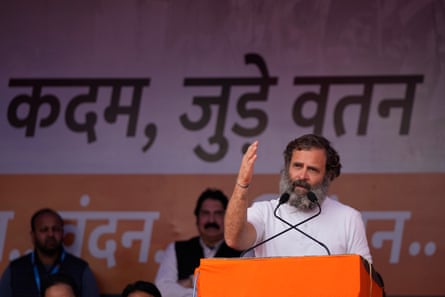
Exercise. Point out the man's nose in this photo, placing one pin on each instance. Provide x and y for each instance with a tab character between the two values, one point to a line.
52	231
303	174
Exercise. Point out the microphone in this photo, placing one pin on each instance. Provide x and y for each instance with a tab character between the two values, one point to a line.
283	199
313	198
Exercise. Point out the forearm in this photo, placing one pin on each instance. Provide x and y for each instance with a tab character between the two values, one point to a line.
238	233
167	276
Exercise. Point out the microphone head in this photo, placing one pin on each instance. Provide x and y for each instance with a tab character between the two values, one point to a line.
284	198
311	196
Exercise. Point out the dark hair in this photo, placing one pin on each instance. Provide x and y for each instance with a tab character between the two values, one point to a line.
143	286
41	212
308	141
59	278
211	194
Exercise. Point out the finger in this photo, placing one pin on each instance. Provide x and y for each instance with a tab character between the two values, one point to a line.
252	149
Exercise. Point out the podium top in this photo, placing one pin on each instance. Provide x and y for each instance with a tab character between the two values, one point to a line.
308	276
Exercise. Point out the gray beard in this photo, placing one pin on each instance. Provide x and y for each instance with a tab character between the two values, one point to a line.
299	200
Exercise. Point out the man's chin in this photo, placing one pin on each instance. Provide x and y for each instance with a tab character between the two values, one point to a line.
50	250
213	234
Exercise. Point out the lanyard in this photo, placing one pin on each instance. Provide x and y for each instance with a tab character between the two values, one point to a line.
54	270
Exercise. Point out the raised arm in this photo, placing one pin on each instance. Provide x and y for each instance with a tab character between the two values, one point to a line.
238	233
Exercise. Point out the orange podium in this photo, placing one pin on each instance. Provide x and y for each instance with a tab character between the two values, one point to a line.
309	276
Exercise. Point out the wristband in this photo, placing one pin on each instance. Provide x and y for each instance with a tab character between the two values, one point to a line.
242	186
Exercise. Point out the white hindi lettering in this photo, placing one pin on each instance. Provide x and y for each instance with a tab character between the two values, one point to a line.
77	221
108	253
5	216
395	235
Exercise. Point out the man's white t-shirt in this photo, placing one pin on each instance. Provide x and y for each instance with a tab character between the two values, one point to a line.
339	227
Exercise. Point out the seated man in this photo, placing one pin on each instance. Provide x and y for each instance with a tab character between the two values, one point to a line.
175	274
23	277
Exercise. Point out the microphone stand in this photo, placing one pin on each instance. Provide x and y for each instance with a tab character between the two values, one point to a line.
301	231
282	200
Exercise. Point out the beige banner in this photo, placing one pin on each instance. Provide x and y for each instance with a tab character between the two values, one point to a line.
121	223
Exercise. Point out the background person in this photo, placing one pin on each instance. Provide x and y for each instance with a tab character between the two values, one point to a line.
175	274
59	285
23	276
141	289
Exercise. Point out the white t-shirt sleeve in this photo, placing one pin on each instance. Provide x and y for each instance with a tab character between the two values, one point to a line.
357	241
258	214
